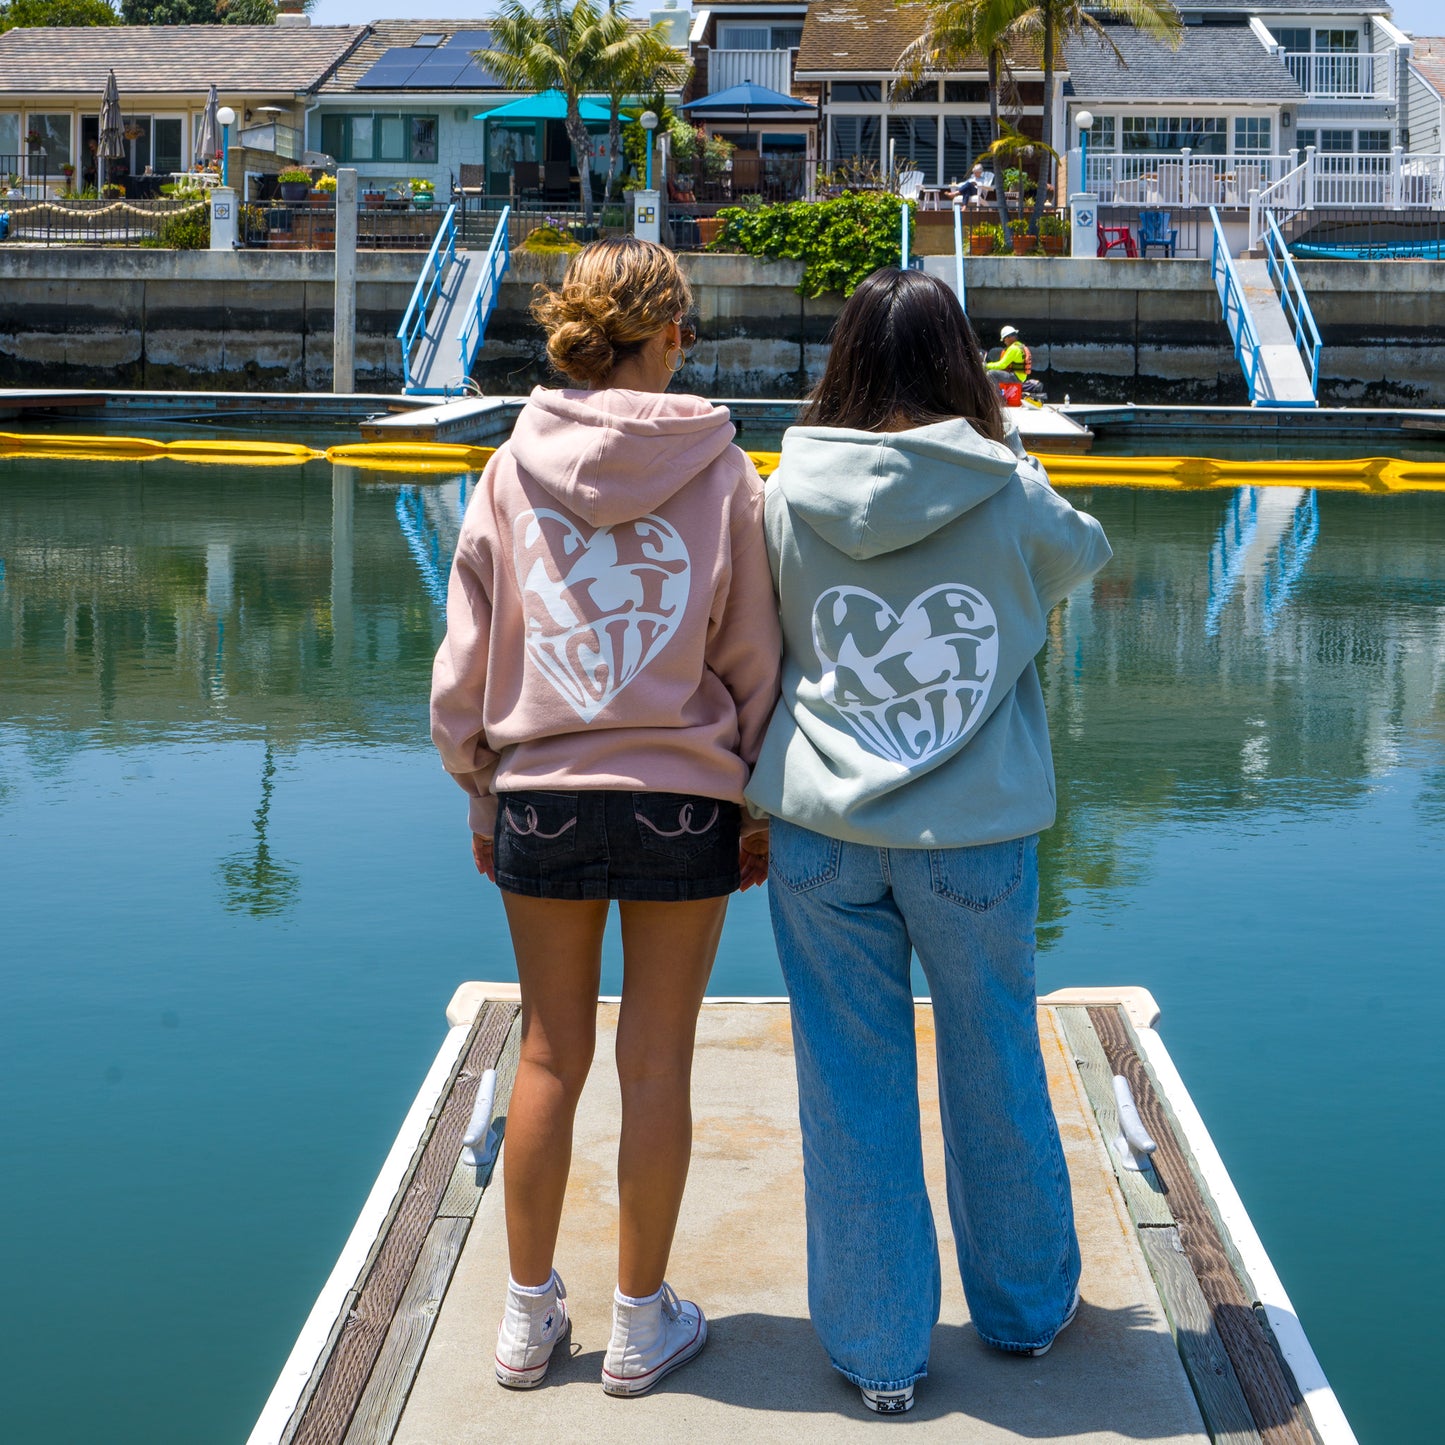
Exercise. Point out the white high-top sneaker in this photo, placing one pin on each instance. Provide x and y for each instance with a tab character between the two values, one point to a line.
534	1323
650	1338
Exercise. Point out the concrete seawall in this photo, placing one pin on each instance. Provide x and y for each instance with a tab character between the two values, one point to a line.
1145	331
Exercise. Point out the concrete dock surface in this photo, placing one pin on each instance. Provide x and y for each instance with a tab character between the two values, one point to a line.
1114	1375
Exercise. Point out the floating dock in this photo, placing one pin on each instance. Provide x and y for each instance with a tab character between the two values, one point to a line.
1185	1333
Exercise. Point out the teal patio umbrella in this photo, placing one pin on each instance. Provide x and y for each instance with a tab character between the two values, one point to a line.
546	105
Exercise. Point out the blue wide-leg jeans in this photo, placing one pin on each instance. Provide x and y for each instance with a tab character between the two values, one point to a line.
847	919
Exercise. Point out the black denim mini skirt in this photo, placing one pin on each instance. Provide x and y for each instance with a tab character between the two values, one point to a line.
607	843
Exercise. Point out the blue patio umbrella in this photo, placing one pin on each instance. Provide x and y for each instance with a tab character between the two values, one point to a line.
548	105
745	97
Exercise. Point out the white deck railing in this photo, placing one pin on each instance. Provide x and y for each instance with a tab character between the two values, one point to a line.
1342	75
1396	180
773	68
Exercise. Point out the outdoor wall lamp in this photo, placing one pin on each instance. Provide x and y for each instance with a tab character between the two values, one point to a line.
227	117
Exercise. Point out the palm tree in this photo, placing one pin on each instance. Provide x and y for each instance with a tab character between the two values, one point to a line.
1057	20
957	31
634	62
557	46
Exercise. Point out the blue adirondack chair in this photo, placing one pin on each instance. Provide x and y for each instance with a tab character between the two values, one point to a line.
1154	230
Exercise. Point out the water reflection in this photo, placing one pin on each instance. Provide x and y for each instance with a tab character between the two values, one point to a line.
253	881
1262	546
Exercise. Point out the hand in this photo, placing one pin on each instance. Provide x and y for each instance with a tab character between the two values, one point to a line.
753	860
482	856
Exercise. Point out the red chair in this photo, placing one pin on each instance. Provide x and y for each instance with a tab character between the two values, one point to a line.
1117	237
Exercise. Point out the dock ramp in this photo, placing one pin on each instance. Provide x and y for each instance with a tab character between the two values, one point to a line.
1185	1333
446	319
1275	337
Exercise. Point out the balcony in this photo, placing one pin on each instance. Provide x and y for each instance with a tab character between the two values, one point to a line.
1336	75
772	68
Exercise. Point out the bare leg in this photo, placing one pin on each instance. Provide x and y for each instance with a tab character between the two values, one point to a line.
668	951
559	963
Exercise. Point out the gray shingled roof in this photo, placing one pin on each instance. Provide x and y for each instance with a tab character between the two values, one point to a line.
1284	7
170	59
1214	62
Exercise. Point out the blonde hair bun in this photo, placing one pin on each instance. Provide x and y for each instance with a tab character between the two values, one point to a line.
616	296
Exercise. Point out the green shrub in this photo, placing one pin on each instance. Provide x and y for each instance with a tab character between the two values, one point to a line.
294	176
550	241
840	242
189	231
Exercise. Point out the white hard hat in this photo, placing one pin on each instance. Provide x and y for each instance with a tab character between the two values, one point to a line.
1007	332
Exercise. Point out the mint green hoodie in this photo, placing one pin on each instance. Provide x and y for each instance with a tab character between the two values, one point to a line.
915	572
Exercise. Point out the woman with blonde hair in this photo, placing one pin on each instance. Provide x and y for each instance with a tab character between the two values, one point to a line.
610	663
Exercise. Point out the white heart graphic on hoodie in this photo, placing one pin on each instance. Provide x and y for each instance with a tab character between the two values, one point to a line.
598	608
909	684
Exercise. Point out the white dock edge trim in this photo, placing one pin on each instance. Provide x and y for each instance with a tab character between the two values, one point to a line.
1324	1408
317	1330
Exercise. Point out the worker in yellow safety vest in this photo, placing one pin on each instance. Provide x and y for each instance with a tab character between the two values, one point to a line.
1016	356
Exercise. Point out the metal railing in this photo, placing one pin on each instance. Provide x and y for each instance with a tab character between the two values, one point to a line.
484	298
43	222
1236	310
1286	195
773	68
1293	299
311	226
1364	235
428	287
1344	75
27	172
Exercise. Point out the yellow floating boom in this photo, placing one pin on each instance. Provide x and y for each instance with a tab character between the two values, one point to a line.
1365	474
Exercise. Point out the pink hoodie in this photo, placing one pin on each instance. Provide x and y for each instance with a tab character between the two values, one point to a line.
610	620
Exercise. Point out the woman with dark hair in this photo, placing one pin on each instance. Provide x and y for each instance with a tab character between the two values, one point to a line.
916	553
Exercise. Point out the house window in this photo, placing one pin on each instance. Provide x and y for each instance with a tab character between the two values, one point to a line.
787	37
1336	42
964	136
1304	139
9	137
1337	142
1103	135
51	138
1252	135
1204	135
924	93
402	138
743	37
868	91
1372	142
965	92
915	144
854	137
1292	38
169	151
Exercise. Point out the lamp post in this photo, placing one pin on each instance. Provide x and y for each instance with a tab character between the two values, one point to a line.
227	118
1085	122
648	121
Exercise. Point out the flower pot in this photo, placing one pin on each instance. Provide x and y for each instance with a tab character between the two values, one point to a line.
980	245
709	228
372	200
422	201
293	191
1024	245
1053	245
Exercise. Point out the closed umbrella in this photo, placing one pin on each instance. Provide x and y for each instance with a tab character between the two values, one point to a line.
208	134
110	146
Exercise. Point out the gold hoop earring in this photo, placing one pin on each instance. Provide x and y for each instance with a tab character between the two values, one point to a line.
675	366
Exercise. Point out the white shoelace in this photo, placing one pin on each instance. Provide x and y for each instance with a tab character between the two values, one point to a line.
671	1305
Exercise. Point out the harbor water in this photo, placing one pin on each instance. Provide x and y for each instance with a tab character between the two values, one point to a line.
236	894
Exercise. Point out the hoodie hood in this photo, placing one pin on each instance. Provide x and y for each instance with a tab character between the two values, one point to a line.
612	456
866	493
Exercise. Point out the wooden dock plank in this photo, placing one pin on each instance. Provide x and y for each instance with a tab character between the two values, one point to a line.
330	1406
379	1410
1206	1361
1274	1399
468	1183
1141	1188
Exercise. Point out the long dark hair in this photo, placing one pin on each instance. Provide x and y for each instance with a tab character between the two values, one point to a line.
903	355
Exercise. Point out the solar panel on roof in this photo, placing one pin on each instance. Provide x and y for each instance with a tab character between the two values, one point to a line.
470	40
392	70
476	77
439	70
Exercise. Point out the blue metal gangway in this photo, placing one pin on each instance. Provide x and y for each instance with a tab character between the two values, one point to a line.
446	319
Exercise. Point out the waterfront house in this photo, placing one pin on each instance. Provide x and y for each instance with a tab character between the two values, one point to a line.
51	81
732	41
1425	106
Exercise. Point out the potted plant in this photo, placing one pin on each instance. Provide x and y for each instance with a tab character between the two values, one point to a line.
325	187
710	229
111	191
33	138
1054	233
422	194
373	198
985	239
295	184
1023	242
68	171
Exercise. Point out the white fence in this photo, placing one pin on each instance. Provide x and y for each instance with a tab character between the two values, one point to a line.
1395	179
773	68
1343	75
